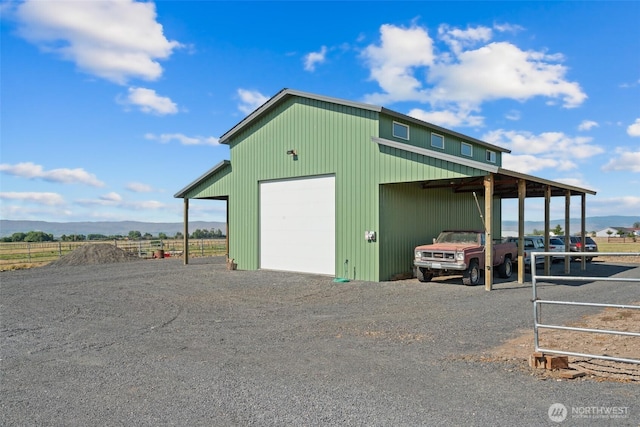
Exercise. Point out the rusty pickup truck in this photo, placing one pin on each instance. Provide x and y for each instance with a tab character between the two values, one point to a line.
457	252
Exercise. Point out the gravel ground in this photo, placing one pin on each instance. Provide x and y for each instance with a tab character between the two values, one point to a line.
159	343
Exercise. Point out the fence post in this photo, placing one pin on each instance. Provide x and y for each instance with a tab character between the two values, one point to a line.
139	249
115	242
59	250
201	247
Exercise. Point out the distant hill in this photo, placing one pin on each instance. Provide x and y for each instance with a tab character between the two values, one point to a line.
108	228
595	223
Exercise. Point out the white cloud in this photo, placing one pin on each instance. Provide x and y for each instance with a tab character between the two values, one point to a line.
614	205
501	70
447	118
630	85
576	182
587	125
147	204
66	176
457	39
634	129
115	40
138	187
49	199
250	100
313	58
114	200
545	150
528	163
148	101
392	63
513	115
625	161
111	197
100	201
471	70
508	28
166	138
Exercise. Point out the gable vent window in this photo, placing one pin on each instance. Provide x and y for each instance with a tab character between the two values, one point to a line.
437	140
400	130
491	156
466	149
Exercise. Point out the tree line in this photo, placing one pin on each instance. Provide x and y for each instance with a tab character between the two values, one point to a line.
39	236
557	231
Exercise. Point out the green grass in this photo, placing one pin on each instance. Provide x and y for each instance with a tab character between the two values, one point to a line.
629	246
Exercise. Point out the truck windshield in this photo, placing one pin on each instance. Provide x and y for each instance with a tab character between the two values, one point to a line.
457	237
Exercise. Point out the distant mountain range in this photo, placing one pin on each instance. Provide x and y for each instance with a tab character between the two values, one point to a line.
111	228
595	223
108	228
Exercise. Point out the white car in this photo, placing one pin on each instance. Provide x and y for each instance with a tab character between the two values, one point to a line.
531	244
556	245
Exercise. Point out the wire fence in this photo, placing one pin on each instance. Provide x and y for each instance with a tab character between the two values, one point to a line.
15	255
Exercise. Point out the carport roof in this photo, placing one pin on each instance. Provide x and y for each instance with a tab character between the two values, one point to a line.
505	180
505	185
223	164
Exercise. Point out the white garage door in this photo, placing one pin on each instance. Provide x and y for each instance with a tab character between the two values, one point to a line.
297	225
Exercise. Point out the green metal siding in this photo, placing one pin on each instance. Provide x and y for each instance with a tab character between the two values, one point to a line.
420	136
217	185
329	139
411	216
403	166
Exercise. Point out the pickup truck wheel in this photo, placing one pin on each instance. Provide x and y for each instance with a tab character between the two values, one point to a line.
505	269
471	277
424	275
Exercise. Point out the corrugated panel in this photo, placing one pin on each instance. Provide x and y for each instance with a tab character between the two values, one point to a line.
217	185
328	140
411	216
421	137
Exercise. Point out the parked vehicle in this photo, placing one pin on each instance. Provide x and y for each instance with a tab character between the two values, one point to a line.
531	244
462	252
575	245
556	245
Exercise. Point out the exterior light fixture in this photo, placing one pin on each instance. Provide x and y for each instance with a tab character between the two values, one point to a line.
292	152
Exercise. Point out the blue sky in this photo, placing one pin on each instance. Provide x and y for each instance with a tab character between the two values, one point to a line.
108	108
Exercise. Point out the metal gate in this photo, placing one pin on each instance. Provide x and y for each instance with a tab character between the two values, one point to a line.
537	304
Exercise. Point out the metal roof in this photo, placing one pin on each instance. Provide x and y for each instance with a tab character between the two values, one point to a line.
505	182
287	93
223	164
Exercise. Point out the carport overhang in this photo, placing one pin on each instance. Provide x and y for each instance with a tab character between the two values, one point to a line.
188	191
507	184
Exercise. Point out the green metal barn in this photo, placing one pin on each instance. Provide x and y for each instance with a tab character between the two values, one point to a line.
329	186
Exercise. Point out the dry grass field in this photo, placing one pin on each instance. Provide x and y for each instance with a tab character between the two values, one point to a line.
21	255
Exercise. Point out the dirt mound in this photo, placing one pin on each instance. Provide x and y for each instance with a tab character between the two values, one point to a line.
99	253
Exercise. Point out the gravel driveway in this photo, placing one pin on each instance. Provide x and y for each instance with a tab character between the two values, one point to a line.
159	343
